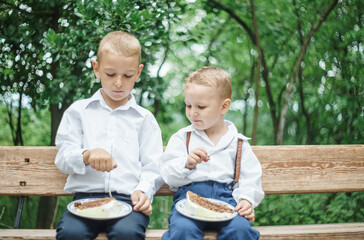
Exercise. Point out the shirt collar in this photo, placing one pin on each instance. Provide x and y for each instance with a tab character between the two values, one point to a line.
97	97
231	133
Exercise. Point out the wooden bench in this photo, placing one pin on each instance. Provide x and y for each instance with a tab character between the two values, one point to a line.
30	171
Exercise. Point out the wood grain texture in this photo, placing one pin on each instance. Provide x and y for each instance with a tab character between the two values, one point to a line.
335	231
286	169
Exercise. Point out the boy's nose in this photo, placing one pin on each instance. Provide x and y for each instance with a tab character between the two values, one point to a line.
119	82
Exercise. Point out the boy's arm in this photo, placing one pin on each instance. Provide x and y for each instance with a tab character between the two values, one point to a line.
245	209
150	151
173	162
69	158
250	185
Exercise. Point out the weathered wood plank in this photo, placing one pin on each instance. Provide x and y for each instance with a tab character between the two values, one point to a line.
286	169
30	171
312	168
335	231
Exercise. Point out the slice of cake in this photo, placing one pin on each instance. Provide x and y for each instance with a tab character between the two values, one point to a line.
202	207
103	207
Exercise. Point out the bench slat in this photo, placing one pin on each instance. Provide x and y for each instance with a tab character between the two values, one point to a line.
334	231
286	169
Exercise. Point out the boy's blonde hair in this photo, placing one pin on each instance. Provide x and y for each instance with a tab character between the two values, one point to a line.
212	76
120	42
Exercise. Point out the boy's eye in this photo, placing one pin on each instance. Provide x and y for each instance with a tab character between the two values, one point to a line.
188	106
128	76
201	107
110	74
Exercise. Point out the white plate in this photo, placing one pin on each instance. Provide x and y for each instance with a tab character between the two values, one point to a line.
124	211
181	208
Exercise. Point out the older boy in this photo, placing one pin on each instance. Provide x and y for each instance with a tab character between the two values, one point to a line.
108	142
204	162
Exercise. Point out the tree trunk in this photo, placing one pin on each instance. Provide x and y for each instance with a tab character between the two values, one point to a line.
265	70
46	209
47	205
287	98
9	109
18	135
257	40
300	86
245	112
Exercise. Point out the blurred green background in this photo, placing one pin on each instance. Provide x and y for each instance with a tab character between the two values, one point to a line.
298	81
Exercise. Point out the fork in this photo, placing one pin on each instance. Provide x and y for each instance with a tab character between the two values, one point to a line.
108	183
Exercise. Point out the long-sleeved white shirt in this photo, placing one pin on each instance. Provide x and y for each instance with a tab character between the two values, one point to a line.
219	168
129	133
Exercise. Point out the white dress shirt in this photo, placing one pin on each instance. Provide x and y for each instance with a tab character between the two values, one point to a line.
129	133
219	168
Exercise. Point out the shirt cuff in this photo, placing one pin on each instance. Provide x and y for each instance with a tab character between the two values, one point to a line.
185	171
76	161
240	197
146	188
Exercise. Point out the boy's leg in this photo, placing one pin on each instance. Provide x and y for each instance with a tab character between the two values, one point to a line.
130	227
239	228
181	227
74	228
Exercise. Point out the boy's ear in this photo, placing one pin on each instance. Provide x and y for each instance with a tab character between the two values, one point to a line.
226	105
95	66
140	69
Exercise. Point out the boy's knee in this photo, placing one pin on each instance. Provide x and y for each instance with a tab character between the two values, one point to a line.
71	234
183	228
126	233
239	229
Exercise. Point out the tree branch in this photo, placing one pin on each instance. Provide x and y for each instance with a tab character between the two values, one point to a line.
237	18
212	41
252	36
297	69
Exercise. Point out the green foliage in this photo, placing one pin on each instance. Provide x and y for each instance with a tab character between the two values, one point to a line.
35	123
310	209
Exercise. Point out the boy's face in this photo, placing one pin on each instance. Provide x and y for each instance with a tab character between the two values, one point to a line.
204	107
118	75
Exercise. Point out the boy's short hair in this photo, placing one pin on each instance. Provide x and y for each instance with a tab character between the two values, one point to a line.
212	76
120	42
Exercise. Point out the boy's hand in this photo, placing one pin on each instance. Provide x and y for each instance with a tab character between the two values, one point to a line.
141	202
99	159
195	157
245	209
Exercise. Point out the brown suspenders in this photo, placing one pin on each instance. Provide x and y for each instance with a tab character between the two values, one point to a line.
237	160
188	141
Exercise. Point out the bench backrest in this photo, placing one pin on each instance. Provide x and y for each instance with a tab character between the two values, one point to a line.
286	169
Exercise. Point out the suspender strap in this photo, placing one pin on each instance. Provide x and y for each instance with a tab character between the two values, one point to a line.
238	160
188	141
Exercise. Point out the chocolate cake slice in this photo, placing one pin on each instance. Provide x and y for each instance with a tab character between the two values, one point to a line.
103	207
202	207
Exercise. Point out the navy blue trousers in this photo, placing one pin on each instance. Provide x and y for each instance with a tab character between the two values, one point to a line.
181	227
73	227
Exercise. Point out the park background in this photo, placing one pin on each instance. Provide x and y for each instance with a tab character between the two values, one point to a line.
296	68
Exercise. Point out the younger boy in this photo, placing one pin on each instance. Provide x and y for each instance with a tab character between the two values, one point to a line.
204	162
108	142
